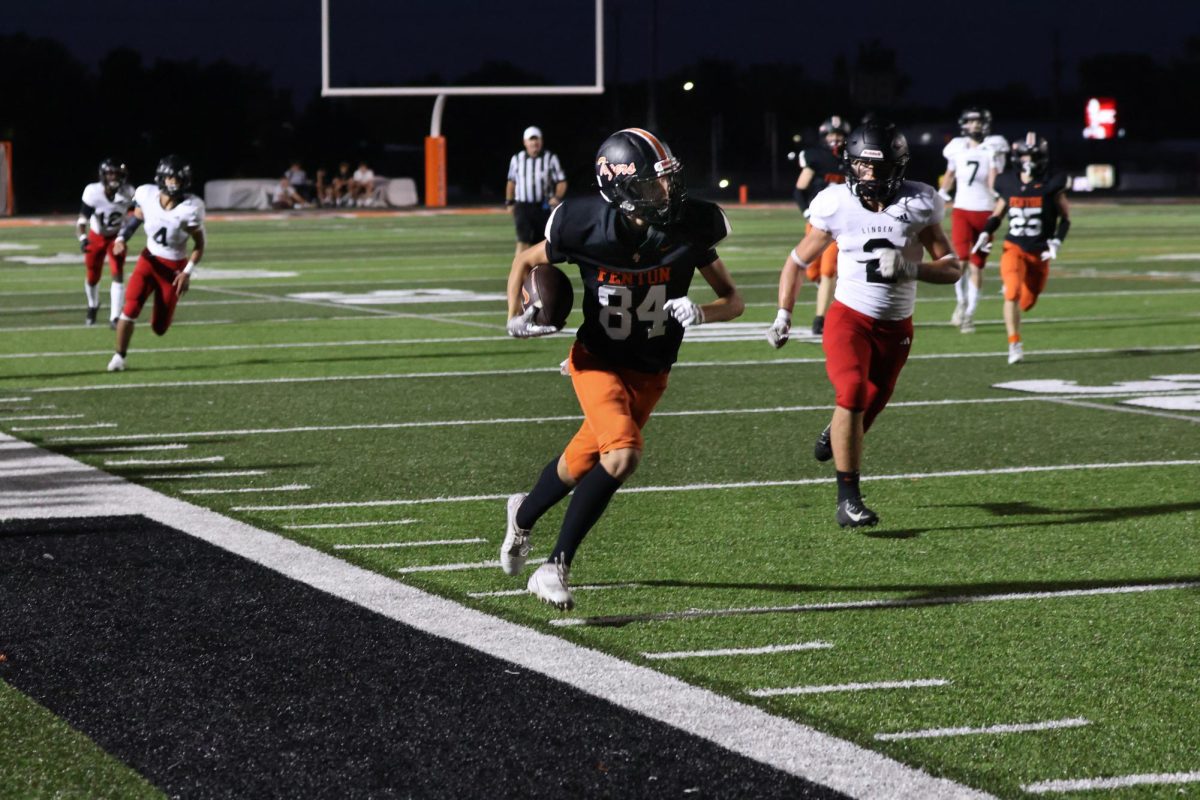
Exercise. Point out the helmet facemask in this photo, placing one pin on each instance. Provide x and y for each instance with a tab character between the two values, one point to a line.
173	176
658	200
884	181
112	175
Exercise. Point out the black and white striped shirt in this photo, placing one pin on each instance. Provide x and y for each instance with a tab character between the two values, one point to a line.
535	177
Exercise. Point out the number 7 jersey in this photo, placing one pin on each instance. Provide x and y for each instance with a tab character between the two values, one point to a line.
627	279
167	230
1032	208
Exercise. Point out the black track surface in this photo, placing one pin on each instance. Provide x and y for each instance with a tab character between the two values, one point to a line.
215	677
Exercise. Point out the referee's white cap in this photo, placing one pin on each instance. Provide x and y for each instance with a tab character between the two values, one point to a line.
533	132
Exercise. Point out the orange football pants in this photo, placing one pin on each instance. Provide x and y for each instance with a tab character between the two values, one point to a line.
826	265
616	403
1024	275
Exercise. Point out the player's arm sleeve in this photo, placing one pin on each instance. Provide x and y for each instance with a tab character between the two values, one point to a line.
938	208
821	210
556	170
86	211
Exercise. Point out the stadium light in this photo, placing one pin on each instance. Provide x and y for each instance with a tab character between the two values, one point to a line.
723	183
688	86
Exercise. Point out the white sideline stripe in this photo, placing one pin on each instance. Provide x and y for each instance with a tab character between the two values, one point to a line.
460	567
1125	409
89	426
583	588
701	412
704	487
187	476
1021	727
290	487
352	524
22	329
141	448
862	605
162	462
15	399
1086	784
31	417
744	729
276	346
429	543
483	373
848	687
741	651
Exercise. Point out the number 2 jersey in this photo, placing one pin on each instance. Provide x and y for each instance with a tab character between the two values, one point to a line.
167	230
1032	208
861	233
104	216
627	278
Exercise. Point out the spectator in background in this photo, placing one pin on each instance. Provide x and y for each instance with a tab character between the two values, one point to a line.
298	178
286	196
536	184
363	185
322	190
342	186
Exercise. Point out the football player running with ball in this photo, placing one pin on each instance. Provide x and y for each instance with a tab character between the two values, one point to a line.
1038	221
102	209
638	244
164	268
881	224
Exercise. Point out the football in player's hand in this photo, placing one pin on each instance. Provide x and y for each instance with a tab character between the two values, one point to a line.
548	289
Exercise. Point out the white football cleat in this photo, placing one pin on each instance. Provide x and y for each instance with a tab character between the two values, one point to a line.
957	317
967	325
1016	353
516	545
549	583
117	363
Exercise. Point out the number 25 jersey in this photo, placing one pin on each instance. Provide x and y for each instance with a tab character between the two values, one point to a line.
167	230
627	279
1032	208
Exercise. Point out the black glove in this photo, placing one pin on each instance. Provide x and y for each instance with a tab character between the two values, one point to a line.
83	243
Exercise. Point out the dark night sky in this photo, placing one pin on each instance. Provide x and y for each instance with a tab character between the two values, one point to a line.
945	47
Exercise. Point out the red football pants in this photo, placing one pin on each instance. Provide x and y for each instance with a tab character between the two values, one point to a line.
863	358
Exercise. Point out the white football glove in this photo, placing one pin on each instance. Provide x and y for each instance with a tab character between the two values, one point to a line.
892	266
780	329
942	193
522	326
1051	251
684	311
983	244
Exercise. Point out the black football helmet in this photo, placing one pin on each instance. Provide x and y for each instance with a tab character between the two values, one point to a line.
1031	154
835	130
176	167
879	144
640	177
113	174
975	114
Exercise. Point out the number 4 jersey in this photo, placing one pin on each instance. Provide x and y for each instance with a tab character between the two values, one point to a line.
167	230
628	276
861	233
105	216
1032	208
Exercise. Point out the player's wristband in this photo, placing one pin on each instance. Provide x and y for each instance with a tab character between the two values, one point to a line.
191	265
796	259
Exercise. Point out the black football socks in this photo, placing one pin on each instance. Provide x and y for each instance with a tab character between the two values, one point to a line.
587	504
847	486
548	490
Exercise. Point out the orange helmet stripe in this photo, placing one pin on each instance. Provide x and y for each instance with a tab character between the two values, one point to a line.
658	146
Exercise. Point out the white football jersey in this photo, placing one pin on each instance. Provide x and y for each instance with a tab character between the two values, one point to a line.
167	231
860	233
971	166
999	146
107	215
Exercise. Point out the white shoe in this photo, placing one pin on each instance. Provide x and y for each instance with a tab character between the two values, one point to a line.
117	364
967	325
516	545
1015	353
957	317
549	583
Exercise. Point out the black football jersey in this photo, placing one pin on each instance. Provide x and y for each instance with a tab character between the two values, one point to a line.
826	166
628	275
1032	208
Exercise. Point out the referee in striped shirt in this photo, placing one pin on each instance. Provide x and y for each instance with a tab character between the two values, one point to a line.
536	184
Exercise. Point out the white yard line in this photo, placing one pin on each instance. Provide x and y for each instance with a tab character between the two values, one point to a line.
1020	727
1194	419
485	373
586	587
15	399
290	487
25	428
1091	784
698	487
162	462
867	605
188	476
32	417
848	687
429	543
740	651
141	448
459	567
25	328
352	524
743	729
